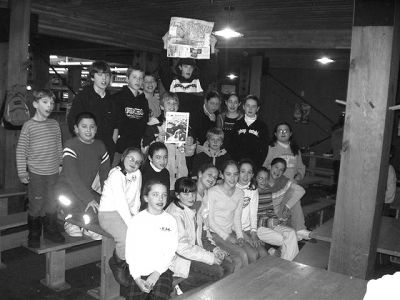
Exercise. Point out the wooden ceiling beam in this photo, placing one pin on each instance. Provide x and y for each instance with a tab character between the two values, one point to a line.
305	39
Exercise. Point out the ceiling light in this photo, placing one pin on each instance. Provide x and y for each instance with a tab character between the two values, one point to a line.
325	60
231	76
75	63
228	33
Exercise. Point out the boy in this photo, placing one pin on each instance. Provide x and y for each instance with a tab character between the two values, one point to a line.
155	166
38	157
84	158
176	164
206	118
153	98
96	100
211	151
250	134
132	111
187	80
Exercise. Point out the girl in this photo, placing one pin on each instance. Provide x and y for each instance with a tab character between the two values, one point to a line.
250	208
286	196
225	202
176	164
284	146
151	243
277	235
228	118
119	202
193	262
206	178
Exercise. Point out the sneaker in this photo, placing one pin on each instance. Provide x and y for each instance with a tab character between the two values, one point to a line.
92	235
303	234
72	230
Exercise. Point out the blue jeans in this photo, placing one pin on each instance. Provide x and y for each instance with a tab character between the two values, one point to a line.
41	194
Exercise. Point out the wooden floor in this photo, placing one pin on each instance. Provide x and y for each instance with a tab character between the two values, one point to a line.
274	278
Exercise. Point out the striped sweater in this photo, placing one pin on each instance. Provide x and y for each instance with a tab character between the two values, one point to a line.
39	148
81	163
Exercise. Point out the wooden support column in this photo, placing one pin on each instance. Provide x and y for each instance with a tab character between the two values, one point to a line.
3	88
74	80
255	75
40	70
373	73
17	74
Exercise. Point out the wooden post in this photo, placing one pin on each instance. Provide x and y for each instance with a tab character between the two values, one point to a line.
3	88
55	271
374	61
17	74
255	75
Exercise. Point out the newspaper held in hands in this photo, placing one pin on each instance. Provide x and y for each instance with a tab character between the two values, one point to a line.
189	38
177	124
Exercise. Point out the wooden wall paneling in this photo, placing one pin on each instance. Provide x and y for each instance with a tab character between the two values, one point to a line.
17	74
374	63
255	75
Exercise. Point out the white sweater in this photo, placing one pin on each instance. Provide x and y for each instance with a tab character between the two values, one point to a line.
121	193
249	212
151	243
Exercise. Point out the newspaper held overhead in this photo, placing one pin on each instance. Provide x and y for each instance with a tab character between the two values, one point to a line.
189	38
177	124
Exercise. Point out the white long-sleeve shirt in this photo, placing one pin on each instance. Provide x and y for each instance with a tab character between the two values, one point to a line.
151	243
225	212
249	211
121	193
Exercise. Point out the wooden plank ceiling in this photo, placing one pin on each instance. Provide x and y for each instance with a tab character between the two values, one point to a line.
140	25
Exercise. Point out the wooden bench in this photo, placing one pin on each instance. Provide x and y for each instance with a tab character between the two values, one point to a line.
8	222
109	289
320	206
314	254
275	278
56	259
4	195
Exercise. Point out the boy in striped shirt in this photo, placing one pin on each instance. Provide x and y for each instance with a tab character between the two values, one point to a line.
38	157
84	157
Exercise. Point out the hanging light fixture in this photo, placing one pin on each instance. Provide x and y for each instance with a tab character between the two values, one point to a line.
228	32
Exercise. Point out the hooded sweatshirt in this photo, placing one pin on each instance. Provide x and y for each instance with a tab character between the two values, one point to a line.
206	156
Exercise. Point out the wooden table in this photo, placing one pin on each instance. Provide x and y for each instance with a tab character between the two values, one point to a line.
275	278
388	242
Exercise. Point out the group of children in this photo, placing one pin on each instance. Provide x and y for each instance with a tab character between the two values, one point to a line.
193	210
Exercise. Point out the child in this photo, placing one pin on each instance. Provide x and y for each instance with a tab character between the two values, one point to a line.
84	157
119	202
286	196
155	166
227	119
283	146
249	212
133	113
96	100
278	235
206	118
176	152
225	202
153	98
187	81
211	151
192	260
151	243
38	156
250	134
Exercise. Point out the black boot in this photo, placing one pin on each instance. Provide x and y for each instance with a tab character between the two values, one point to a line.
35	231
120	270
50	230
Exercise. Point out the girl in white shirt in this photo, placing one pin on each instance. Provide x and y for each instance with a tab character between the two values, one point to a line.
119	202
151	243
246	183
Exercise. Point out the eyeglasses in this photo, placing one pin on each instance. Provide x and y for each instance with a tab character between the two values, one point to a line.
283	130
